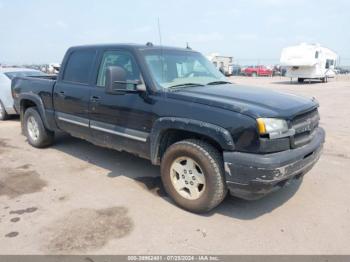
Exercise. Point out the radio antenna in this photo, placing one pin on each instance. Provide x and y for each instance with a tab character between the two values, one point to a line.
161	48
159	33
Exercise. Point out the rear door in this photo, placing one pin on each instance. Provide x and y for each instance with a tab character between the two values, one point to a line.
72	92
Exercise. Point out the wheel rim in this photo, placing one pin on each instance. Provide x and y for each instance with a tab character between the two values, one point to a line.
33	128
187	178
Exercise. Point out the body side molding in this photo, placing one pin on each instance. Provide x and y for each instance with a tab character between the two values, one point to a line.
104	127
119	131
80	121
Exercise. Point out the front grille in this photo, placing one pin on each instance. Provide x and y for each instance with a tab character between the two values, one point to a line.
305	128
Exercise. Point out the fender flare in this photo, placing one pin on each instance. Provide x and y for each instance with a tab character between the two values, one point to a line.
36	99
161	125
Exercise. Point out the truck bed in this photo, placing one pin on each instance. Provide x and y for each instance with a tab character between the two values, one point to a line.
41	87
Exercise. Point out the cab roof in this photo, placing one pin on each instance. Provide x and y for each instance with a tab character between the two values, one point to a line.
147	46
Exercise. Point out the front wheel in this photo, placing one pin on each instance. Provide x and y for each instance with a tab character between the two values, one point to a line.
36	133
192	174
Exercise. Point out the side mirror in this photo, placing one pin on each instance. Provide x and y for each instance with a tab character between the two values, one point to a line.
115	78
116	81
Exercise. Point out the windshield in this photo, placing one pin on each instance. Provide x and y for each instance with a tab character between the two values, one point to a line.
14	74
173	68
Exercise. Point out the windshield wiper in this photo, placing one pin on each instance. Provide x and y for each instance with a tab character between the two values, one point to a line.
185	85
220	82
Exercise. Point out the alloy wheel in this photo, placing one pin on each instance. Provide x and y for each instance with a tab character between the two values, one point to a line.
33	128
187	178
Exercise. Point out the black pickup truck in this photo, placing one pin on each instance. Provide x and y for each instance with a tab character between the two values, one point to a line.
172	106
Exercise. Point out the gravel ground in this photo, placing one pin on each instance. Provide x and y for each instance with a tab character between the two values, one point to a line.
76	198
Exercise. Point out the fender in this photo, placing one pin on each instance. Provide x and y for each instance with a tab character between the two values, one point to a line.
217	133
46	115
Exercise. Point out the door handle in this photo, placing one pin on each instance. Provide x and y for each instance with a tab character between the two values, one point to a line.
95	98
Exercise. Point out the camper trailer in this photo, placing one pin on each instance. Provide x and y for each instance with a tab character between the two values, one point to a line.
223	63
309	61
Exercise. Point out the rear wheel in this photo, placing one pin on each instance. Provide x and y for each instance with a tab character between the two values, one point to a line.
36	133
192	174
3	113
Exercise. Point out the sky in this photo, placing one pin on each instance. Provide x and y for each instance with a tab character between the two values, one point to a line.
252	31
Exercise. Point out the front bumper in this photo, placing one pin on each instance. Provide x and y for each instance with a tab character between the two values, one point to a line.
251	176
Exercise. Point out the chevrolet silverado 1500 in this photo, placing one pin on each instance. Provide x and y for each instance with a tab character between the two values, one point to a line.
173	107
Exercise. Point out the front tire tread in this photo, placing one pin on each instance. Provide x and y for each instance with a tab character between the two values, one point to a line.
212	155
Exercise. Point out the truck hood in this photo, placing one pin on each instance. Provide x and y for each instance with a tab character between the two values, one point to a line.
253	101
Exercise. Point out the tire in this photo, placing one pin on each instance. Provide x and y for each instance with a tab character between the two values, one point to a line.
35	131
254	74
208	172
300	80
3	113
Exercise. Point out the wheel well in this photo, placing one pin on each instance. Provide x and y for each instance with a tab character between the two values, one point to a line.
25	104
172	136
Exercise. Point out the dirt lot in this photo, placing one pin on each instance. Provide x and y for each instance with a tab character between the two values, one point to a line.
78	198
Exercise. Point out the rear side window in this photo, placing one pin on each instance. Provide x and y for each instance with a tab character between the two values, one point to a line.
79	65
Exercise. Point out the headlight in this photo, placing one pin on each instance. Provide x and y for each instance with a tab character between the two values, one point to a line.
272	126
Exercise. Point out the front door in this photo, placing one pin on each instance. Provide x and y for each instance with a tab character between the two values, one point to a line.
121	121
72	93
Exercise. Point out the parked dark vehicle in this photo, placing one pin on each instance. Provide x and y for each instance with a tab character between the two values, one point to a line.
279	70
342	71
236	70
173	107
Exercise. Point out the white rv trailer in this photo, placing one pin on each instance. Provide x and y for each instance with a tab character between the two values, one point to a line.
309	61
223	63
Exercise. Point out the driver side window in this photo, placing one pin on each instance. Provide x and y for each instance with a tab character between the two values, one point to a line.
117	58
